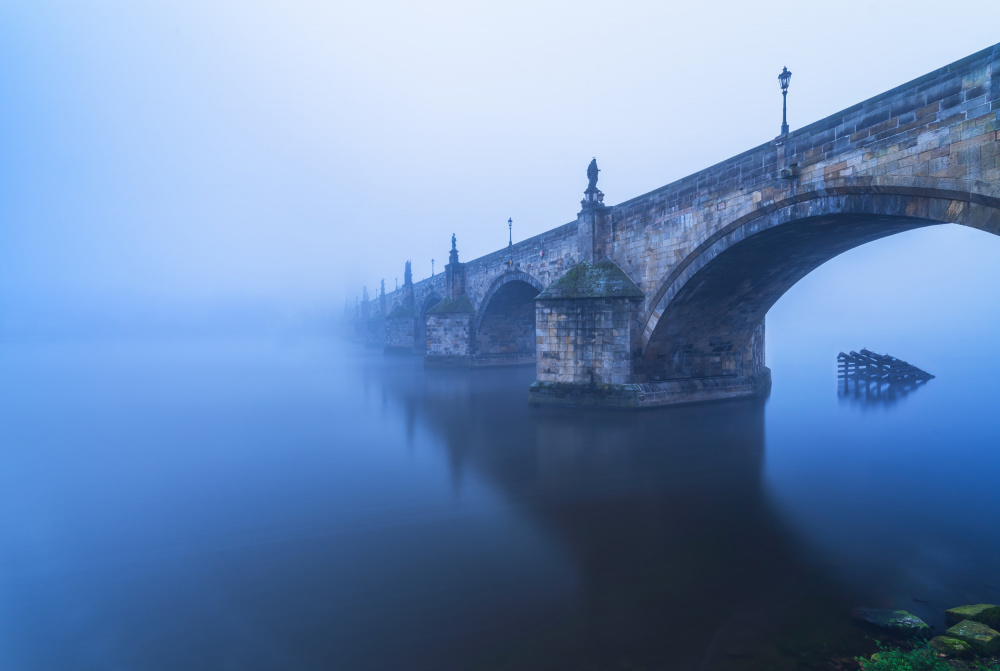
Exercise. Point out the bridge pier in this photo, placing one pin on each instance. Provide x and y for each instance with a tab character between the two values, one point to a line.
449	333
450	322
401	323
586	328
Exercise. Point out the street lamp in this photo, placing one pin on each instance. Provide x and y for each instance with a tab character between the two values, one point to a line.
432	267
510	241
783	79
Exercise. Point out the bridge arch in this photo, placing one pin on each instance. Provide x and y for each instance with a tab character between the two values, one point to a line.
504	325
706	318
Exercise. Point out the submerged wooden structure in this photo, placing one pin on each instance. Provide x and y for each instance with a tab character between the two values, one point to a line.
874	374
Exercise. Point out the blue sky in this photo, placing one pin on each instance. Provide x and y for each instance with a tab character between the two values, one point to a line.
208	156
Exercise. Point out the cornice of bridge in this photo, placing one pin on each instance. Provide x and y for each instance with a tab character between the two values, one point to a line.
831	129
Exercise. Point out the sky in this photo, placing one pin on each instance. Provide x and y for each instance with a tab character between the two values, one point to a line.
233	159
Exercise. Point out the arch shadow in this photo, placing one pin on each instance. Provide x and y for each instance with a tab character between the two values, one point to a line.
706	319
503	330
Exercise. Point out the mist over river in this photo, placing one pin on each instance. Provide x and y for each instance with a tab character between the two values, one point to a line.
303	503
202	468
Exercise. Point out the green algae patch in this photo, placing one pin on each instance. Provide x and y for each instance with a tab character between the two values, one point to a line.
950	647
983	639
898	621
986	613
462	304
593	280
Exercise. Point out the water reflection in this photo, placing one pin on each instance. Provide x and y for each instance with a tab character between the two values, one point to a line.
681	561
249	505
877	392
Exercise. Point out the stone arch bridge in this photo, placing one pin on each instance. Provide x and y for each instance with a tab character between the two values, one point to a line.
661	299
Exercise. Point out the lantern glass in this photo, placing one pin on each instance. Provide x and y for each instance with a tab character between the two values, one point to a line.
784	78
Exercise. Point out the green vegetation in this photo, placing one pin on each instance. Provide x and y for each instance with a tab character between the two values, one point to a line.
920	658
594	280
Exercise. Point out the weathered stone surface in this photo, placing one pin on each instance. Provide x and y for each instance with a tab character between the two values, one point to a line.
449	336
709	254
604	395
400	329
982	638
593	280
986	613
952	647
462	304
897	621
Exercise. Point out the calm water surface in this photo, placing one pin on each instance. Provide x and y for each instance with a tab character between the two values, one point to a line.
227	504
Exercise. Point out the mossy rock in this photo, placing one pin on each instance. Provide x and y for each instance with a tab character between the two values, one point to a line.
898	621
986	613
952	647
983	639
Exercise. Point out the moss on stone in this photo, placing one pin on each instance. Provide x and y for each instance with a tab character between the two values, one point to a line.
899	621
459	305
986	613
952	647
593	280
983	639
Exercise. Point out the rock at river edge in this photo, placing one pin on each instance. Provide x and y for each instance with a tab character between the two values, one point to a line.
983	640
898	621
952	647
986	613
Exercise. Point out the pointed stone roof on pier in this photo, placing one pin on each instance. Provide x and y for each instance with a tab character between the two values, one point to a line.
593	280
461	304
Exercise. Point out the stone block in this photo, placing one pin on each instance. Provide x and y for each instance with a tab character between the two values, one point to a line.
983	639
985	613
950	647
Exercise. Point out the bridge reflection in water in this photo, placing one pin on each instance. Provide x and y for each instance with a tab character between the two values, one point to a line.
678	560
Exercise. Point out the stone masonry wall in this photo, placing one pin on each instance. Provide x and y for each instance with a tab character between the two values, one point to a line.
399	332
545	257
448	334
584	341
924	134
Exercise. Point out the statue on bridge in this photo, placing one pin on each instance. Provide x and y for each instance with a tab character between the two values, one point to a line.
453	241
592	197
592	171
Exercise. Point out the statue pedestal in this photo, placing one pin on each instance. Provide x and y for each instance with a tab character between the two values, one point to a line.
592	199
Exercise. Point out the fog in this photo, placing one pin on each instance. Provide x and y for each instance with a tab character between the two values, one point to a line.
171	165
194	473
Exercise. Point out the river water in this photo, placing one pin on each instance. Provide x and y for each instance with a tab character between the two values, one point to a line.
303	503
252	504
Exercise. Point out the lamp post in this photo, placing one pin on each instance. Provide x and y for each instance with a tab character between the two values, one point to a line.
783	79
510	241
432	267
